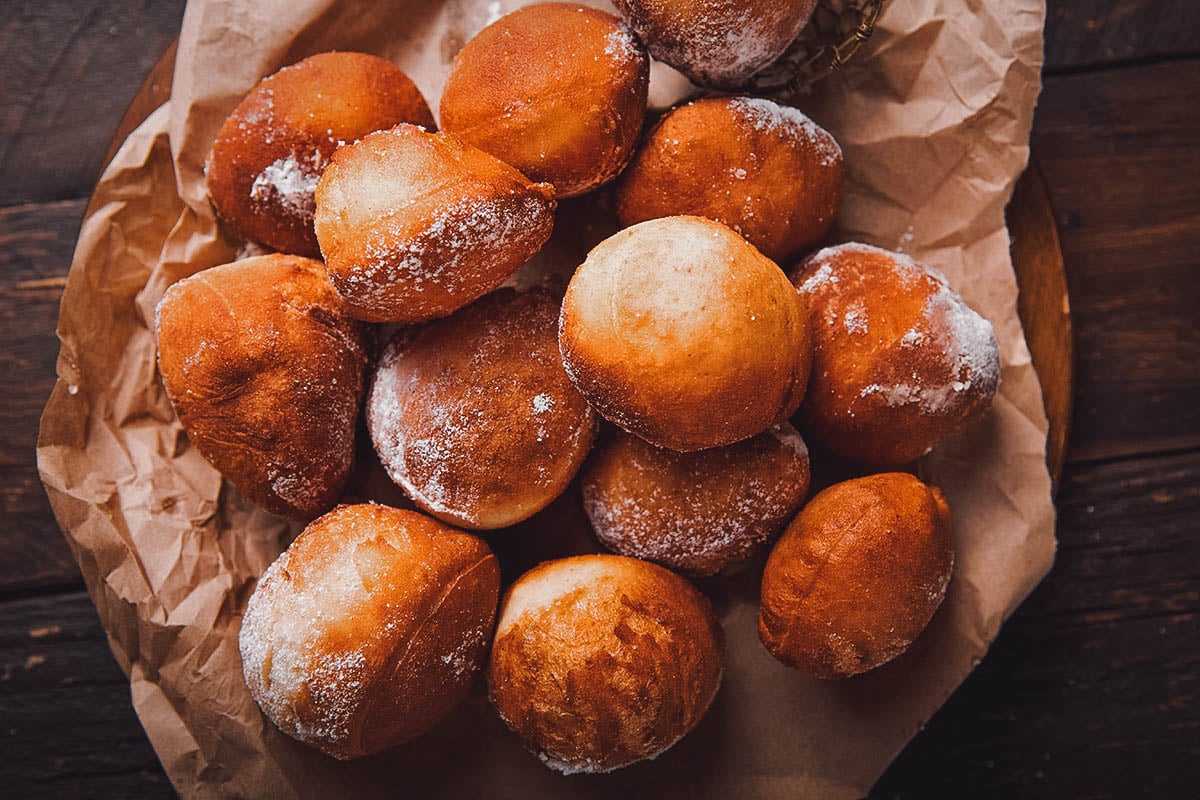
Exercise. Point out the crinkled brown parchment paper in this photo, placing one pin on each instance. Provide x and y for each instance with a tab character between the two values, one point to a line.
934	114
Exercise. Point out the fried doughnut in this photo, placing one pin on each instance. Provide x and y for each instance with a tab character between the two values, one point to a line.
474	417
694	512
601	661
857	575
557	90
764	169
416	225
369	628
265	372
900	360
718	43
269	154
680	332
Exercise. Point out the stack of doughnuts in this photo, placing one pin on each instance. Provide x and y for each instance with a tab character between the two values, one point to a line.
674	379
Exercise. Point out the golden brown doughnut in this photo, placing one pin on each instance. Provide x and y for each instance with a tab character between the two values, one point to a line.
474	417
857	575
717	42
557	90
679	331
269	154
602	661
369	628
900	360
265	371
415	225
694	512
764	169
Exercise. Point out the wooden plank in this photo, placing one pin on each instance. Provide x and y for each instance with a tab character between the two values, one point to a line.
69	729
1092	33
36	243
67	72
1093	688
1118	152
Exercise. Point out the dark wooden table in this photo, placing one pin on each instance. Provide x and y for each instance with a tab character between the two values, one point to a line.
1092	689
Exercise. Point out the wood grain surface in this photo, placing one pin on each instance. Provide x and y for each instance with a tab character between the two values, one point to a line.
1091	689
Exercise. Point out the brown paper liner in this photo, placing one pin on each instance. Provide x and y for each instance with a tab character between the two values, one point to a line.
934	116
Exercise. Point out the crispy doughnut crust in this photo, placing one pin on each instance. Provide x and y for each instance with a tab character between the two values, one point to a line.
680	332
764	169
474	416
415	225
601	661
369	628
857	575
900	360
557	90
267	157
265	372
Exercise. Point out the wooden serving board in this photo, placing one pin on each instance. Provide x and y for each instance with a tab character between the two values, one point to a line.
1044	304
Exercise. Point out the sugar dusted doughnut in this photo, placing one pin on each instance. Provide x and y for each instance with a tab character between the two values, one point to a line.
764	169
680	332
857	576
369	628
415	225
717	43
474	416
602	661
267	157
900	360
557	90
694	512
265	372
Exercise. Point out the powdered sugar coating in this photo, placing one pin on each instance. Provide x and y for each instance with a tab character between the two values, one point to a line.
622	46
696	512
461	240
415	225
475	418
367	602
785	120
282	656
898	353
289	182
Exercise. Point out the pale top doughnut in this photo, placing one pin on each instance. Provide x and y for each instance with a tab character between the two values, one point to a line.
679	331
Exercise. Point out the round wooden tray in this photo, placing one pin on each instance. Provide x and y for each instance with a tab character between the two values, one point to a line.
1043	304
